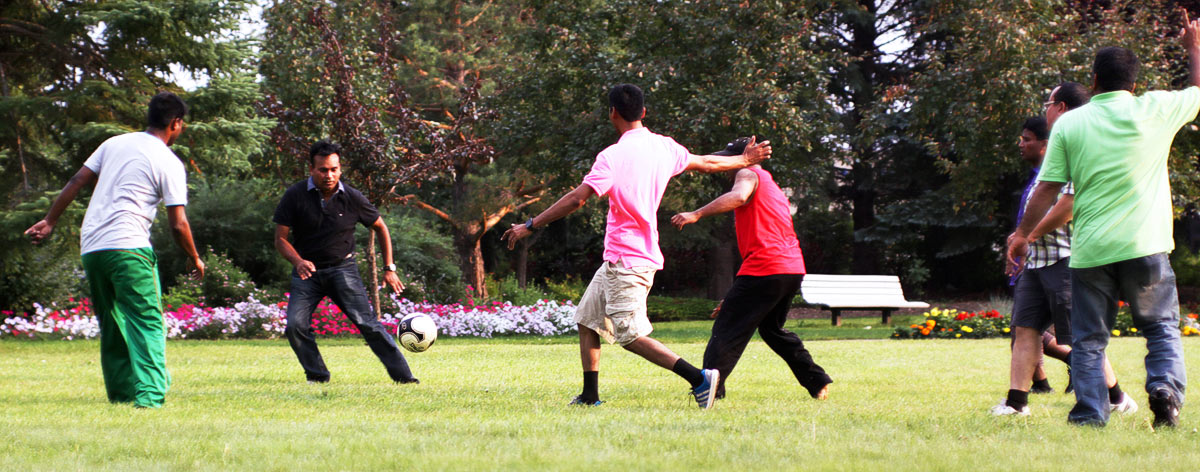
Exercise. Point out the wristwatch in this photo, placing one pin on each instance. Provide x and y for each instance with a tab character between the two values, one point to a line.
390	267
529	224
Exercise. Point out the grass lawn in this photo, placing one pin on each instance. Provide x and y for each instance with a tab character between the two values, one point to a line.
500	404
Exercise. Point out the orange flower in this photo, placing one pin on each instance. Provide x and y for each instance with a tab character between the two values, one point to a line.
930	323
915	326
925	331
1120	304
1193	316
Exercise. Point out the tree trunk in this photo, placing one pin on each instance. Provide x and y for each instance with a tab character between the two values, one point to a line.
523	257
16	129
373	269
470	257
866	257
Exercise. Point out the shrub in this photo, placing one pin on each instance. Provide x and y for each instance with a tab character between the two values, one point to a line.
224	285
424	257
234	218
48	273
678	308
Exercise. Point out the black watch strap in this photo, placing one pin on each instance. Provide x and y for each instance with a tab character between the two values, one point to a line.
529	224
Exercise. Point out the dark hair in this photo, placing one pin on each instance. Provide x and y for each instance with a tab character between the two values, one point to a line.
322	148
1072	94
1115	69
163	109
628	100
1037	125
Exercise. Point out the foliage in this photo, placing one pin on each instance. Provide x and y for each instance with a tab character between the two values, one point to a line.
951	323
424	258
234	217
76	73
711	71
383	89
47	273
660	308
223	285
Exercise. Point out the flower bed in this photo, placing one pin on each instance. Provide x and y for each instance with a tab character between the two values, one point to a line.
255	319
953	324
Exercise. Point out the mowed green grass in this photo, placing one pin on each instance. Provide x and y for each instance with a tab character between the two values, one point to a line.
501	405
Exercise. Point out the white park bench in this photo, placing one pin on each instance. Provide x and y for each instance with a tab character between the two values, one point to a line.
839	293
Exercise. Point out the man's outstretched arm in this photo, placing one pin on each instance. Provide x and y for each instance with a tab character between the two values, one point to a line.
744	186
42	229
1190	37
754	154
566	205
182	231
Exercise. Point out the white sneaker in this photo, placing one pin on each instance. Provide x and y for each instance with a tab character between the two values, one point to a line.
1127	405
1004	410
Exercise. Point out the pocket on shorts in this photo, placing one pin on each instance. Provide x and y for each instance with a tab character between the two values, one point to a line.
626	289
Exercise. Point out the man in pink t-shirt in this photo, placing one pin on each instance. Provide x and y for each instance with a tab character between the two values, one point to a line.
771	272
633	173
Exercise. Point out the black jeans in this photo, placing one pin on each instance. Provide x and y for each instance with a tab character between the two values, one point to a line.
761	303
343	285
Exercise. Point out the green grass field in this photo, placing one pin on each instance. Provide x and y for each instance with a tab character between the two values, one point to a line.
500	404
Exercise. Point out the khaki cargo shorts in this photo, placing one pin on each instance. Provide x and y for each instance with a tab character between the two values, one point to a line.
614	304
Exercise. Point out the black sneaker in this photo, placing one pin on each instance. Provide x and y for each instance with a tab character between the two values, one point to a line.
1165	406
1070	385
1037	389
578	400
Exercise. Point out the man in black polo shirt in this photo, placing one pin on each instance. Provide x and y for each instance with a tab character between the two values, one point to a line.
323	211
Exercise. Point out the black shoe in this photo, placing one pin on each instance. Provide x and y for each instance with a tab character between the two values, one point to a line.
409	381
1041	390
1165	406
578	400
1070	384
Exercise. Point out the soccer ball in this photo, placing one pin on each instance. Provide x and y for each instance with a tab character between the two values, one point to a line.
416	332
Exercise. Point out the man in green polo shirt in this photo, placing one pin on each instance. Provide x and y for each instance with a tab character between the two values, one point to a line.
1114	151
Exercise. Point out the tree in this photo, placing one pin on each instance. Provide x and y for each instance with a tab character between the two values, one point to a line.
710	73
368	94
73	74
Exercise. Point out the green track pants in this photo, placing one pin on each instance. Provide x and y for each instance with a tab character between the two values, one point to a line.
127	301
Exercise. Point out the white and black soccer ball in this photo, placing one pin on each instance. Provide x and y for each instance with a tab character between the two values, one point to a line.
416	332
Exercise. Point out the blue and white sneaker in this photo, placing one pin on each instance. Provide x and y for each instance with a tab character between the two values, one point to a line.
578	400
706	392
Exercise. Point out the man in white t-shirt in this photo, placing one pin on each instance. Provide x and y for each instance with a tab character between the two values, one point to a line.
633	174
132	173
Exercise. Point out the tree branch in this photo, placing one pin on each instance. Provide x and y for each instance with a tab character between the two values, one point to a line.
413	200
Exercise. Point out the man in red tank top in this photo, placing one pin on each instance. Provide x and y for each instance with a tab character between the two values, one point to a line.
770	275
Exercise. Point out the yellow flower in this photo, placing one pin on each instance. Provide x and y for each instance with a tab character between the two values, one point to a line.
958	335
1116	332
1132	330
1007	330
967	329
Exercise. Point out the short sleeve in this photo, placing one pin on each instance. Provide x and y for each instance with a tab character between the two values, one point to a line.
1180	107
174	184
680	154
96	160
367	213
1054	165
600	178
285	210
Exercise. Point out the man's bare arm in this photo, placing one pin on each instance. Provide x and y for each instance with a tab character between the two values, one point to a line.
744	185
304	268
41	230
566	205
1058	216
754	154
181	229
